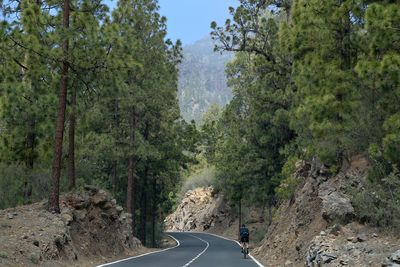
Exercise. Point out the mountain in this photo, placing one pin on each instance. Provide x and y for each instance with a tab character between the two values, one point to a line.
202	80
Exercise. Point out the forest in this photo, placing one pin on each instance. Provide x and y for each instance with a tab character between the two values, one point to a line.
316	81
89	96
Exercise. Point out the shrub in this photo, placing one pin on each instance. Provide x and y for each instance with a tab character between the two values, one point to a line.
288	185
378	204
203	178
259	234
3	254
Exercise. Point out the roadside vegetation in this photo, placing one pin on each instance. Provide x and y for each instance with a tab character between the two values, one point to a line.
310	79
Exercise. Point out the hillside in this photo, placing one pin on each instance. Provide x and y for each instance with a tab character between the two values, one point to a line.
91	229
202	80
316	227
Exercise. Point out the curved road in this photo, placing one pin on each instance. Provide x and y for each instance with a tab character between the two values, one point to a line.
193	250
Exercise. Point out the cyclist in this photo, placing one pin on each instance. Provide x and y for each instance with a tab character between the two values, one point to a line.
244	237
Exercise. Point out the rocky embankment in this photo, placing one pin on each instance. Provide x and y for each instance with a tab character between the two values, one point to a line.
315	227
91	228
199	210
205	210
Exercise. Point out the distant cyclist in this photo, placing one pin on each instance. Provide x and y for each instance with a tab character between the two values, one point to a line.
244	238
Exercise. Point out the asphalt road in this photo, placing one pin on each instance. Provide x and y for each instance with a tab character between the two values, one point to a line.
194	250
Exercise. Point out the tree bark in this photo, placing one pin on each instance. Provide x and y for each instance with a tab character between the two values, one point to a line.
131	166
143	208
71	142
154	214
114	177
129	190
240	217
59	134
30	146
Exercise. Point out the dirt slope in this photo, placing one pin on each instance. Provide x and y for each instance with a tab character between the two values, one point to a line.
90	229
316	227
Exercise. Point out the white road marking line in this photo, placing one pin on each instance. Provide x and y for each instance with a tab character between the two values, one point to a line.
201	253
110	263
251	256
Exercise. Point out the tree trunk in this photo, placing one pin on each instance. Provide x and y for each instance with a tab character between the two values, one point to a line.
59	134
131	165
71	143
129	189
154	214
114	177
143	208
240	217
30	145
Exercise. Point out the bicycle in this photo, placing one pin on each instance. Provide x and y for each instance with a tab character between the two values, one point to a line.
245	249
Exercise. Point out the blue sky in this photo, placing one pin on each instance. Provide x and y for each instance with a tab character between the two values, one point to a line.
189	20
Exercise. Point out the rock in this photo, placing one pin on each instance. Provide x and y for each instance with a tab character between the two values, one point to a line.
119	209
10	216
80	215
327	258
108	205
335	205
100	198
5	225
395	257
91	189
67	218
288	263
375	235
335	230
35	242
361	238
81	202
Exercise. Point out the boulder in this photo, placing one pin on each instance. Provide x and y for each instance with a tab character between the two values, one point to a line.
395	257
67	218
100	198
80	215
92	190
336	206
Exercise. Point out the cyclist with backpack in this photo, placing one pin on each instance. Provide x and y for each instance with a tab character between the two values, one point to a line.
244	238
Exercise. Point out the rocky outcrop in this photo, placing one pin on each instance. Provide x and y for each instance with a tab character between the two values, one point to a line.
316	227
199	210
393	260
90	225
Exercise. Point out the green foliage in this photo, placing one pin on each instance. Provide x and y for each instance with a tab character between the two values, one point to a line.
125	75
202	178
378	203
289	183
34	258
3	254
314	78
